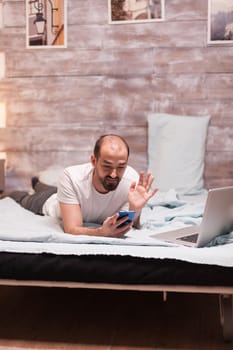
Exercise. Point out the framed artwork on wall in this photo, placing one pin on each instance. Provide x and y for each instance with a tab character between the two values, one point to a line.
220	22
46	23
135	11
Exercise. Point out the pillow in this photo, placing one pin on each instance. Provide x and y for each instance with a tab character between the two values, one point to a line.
176	150
51	175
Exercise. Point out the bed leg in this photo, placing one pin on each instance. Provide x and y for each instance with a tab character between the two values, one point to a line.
164	296
226	316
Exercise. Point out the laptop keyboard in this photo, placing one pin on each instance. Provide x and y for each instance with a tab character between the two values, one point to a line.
190	238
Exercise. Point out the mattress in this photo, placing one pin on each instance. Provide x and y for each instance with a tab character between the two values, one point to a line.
124	270
35	248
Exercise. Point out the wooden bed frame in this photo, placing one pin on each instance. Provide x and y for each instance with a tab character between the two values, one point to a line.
225	294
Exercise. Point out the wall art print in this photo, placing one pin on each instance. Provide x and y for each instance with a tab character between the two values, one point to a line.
220	22
135	11
46	24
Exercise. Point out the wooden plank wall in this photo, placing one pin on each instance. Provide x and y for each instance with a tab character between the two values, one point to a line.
107	80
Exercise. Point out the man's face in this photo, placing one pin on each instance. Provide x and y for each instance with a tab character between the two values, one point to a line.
109	167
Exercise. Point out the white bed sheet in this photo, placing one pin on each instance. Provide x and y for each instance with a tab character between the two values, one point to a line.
22	231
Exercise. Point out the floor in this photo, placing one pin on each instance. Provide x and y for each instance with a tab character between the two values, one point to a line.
59	318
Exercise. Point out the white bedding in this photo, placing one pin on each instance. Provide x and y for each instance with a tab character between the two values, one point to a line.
23	231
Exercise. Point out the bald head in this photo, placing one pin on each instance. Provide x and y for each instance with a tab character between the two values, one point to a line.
114	144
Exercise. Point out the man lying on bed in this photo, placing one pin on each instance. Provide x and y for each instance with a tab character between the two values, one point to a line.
94	192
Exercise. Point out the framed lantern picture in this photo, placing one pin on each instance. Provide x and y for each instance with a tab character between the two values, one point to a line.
46	24
135	11
220	22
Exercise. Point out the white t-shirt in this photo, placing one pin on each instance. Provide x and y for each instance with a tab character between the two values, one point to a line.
75	187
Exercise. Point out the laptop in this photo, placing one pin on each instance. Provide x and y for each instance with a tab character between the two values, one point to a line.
217	220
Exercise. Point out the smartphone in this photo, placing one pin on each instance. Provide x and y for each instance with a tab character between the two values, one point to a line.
123	213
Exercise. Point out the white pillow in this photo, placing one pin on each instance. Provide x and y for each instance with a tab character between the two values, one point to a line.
176	150
51	175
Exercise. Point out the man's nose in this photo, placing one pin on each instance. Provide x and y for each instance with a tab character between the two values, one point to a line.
113	173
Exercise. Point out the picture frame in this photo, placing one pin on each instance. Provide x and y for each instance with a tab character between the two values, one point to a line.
220	22
135	11
46	23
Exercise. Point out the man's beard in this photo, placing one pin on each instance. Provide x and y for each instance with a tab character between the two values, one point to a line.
109	183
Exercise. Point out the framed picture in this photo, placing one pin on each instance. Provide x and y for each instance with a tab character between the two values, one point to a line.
135	11
46	24
220	21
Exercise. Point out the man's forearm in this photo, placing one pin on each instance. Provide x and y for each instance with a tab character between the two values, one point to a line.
82	230
136	222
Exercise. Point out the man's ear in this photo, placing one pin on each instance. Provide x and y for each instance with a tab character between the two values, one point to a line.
93	160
